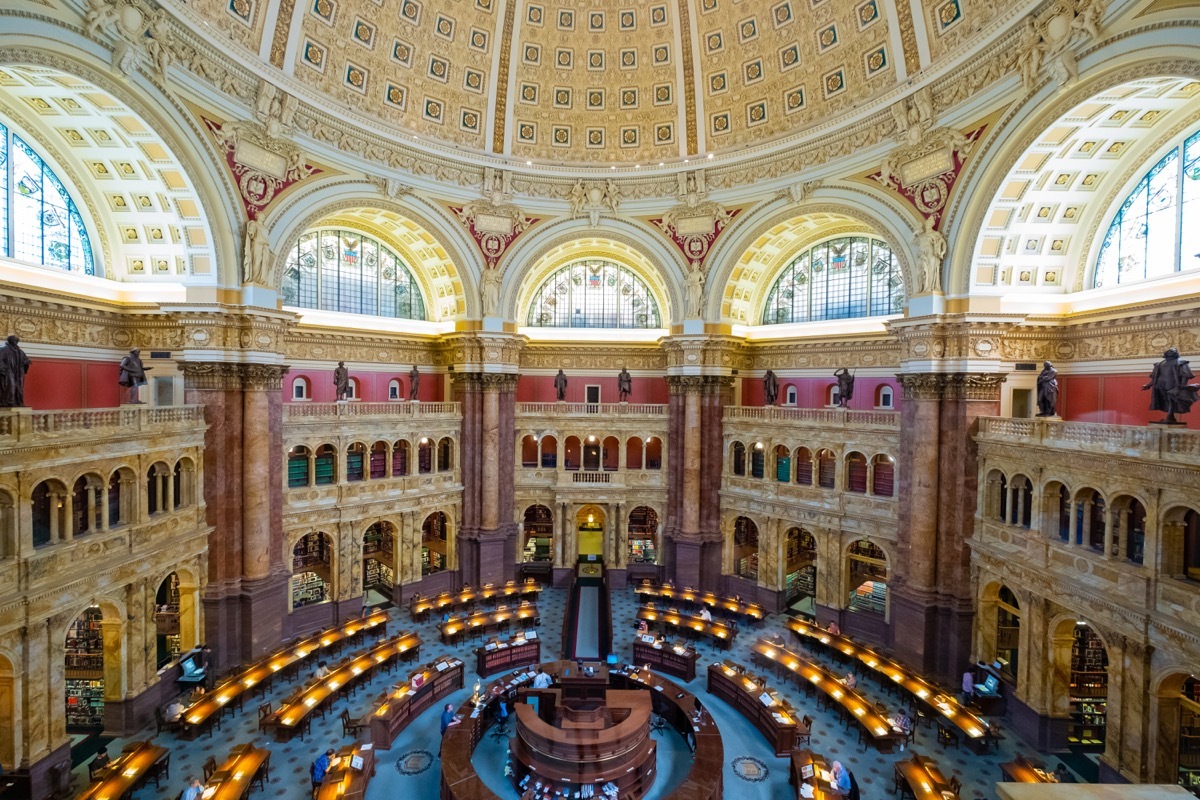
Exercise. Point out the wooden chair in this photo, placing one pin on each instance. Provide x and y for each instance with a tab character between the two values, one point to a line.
349	726
946	735
210	766
900	785
161	770
955	785
161	723
804	731
96	768
263	775
264	711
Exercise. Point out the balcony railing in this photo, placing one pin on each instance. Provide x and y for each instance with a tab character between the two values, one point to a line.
825	417
23	424
589	409
1152	441
301	411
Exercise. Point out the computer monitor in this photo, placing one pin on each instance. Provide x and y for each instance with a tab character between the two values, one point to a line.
612	659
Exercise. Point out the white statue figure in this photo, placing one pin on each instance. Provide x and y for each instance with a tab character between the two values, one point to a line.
256	254
100	14
491	291
931	249
577	199
1030	54
612	196
159	43
694	291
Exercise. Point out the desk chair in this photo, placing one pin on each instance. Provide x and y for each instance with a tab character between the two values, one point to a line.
162	770
501	728
946	736
657	723
349	726
162	724
804	732
955	785
264	711
210	766
95	770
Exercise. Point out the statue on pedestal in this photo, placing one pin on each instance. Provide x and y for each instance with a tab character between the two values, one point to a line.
414	382
624	385
560	386
1169	387
13	366
1047	391
845	386
770	387
341	381
133	374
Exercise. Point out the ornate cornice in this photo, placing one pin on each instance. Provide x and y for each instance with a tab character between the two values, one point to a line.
922	386
472	350
263	377
974	386
225	377
698	384
589	357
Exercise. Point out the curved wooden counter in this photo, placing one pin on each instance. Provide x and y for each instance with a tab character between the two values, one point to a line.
679	707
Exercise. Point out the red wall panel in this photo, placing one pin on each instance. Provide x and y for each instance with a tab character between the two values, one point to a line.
372	385
540	389
54	383
1111	399
814	392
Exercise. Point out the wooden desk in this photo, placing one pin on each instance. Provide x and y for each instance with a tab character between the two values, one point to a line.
822	789
343	781
232	779
517	651
775	720
722	635
728	605
875	728
125	774
1024	770
943	704
204	712
400	706
286	719
486	622
667	658
924	779
672	702
419	607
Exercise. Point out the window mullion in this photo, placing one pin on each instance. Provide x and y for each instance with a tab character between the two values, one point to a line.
1179	179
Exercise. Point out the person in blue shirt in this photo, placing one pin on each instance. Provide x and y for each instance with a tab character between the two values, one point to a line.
193	791
840	778
448	718
320	767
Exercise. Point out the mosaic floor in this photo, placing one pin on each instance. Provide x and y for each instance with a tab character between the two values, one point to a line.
411	768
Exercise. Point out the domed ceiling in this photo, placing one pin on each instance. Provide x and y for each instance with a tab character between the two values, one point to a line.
599	81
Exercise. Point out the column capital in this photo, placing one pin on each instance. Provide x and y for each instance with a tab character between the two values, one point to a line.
479	351
224	376
951	386
707	353
263	377
922	385
697	384
484	381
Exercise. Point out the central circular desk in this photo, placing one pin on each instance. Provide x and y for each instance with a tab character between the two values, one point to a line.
601	737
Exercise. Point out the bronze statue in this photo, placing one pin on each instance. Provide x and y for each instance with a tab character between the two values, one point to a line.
1047	391
1169	387
13	366
414	382
560	386
770	387
133	374
845	386
624	385
341	381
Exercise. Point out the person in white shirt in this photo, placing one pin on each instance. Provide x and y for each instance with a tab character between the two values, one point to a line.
541	680
174	710
322	670
194	790
705	614
850	681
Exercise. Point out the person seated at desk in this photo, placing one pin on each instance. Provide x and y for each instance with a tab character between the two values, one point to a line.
319	768
850	681
448	718
705	614
542	680
1062	774
839	776
642	627
100	761
660	640
834	629
194	790
174	711
322	670
197	693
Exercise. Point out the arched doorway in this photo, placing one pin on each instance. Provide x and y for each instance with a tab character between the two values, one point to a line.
589	527
166	620
1080	678
745	548
538	527
312	570
800	584
1178	742
643	535
85	669
1008	632
379	556
868	572
435	544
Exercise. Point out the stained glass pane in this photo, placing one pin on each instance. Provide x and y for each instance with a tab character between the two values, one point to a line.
44	222
4	148
852	276
339	270
1140	242
1189	253
594	294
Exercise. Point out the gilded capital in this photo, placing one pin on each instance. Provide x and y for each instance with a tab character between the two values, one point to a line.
922	385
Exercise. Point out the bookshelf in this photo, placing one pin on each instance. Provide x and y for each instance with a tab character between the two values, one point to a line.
166	620
433	544
378	575
870	596
85	672
308	588
801	583
1189	736
313	550
643	551
1088	689
747	567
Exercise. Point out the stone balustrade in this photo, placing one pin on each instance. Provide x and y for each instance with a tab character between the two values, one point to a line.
605	410
1152	442
825	418
23	426
297	412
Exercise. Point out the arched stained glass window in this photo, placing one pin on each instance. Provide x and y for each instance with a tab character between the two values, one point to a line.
852	276
594	294
341	270
1157	229
39	221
